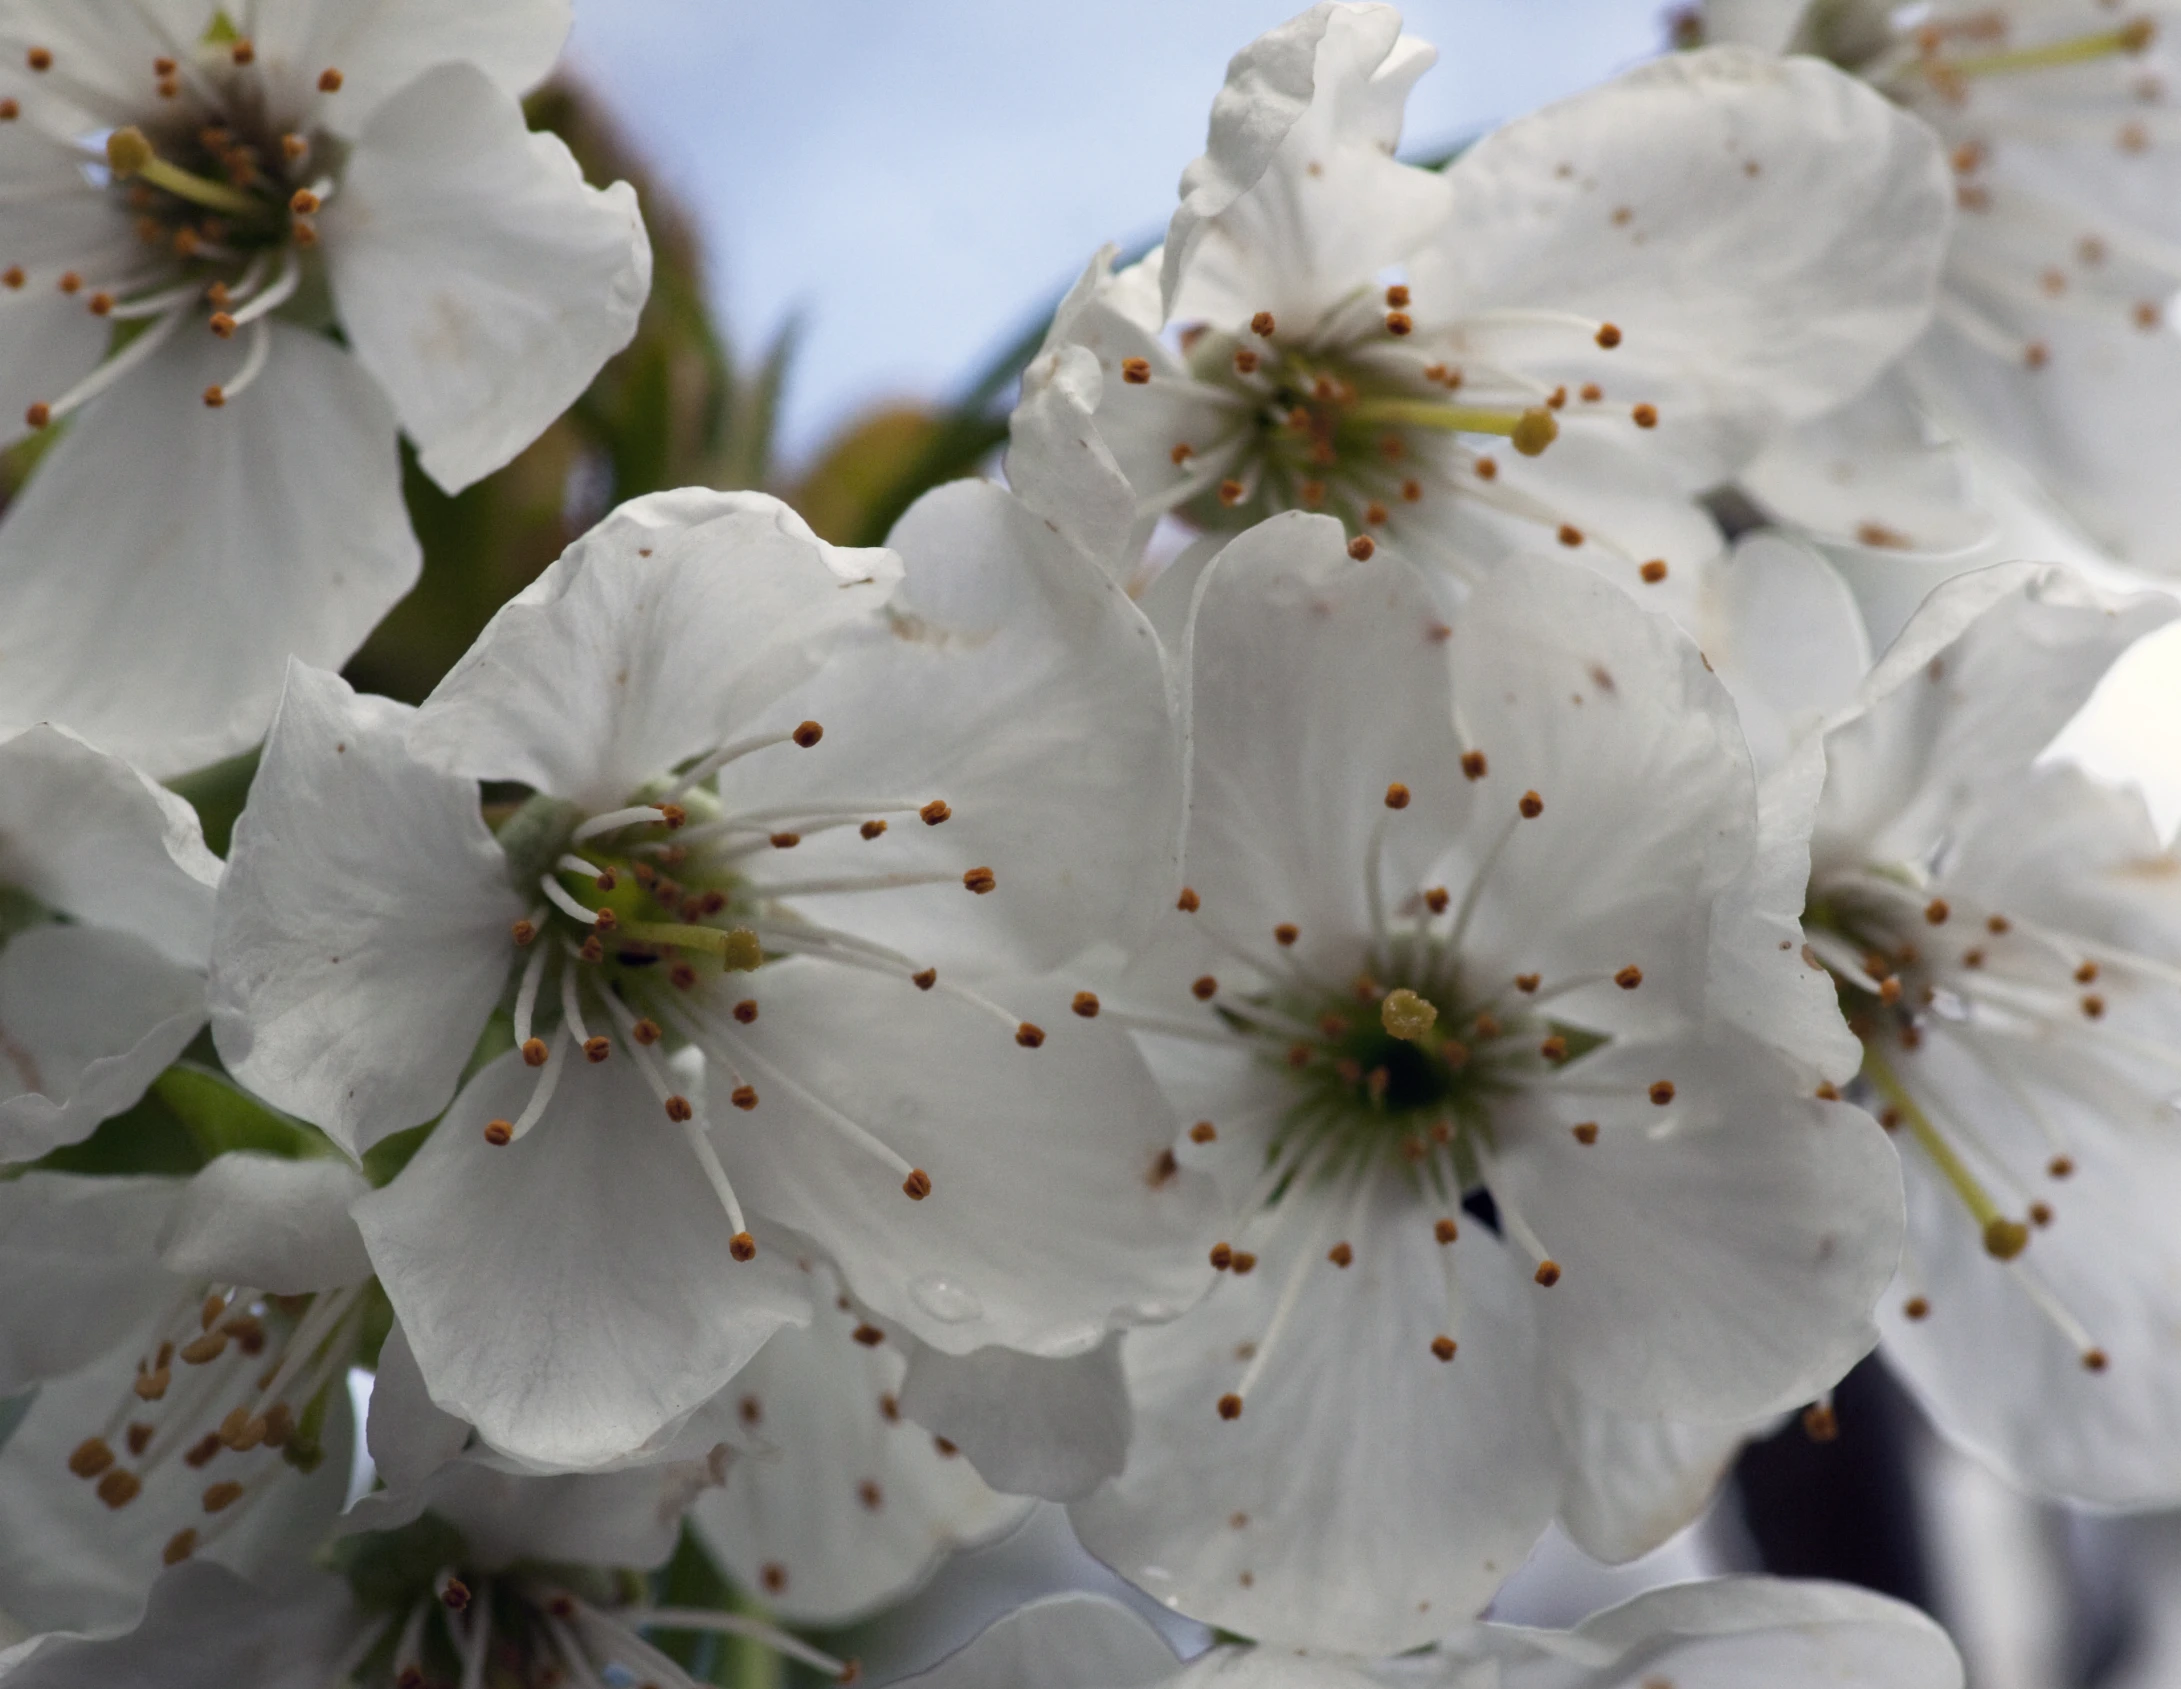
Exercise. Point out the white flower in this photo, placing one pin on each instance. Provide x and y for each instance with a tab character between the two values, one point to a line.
2007	943
189	1340
228	491
1731	1633
2054	341
106	922
1601	310
842	1505
1469	998
752	749
531	1574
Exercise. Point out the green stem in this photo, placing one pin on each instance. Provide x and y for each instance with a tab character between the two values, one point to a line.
130	153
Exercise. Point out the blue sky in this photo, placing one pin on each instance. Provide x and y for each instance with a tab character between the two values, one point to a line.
918	177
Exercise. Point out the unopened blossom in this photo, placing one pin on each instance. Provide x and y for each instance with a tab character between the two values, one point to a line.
1729	1633
189	1341
240	248
1555	342
2006	941
2054	341
1474	1000
840	1505
787	805
105	934
493	1577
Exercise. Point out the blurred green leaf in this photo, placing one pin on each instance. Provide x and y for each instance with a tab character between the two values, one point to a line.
221	1117
218	794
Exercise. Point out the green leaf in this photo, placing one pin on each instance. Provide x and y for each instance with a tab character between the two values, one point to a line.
149	1138
221	1117
218	794
386	1158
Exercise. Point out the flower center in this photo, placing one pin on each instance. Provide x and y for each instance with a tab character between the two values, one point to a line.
1916	964
222	181
649	911
444	1622
232	1395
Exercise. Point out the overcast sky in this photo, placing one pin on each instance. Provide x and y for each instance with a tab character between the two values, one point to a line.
919	177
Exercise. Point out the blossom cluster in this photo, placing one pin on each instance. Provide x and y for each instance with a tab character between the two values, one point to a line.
1346	958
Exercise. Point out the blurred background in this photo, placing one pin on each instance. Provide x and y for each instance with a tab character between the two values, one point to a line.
863	214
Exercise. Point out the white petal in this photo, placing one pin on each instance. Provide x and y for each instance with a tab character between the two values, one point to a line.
1070	1641
1297	198
1870	473
410	1435
571	1294
1632	1483
661	634
362	936
1766	24
381	49
1052	1428
844	1506
1997	1375
1058	463
279	1226
88	1019
68	1560
628	1518
1765	232
481	281
1016	683
1722	1267
1982	678
1046	1222
204	1628
77	1254
84	833
1370	1496
1599	708
1288	781
48	343
1781	631
1726	1632
168	558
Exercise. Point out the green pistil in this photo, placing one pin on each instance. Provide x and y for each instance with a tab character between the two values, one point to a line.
129	153
2131	37
2004	1238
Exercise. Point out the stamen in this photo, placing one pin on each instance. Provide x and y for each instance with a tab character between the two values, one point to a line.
541	1094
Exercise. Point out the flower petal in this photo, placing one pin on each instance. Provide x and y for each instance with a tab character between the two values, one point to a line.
1369	1496
204	1628
363	935
88	1019
1297	198
844	1506
1632	1483
282	1227
1051	1216
1021	688
1765	232
77	1255
571	1294
481	281
1719	1255
84	833
1979	682
69	1561
410	1436
1071	1641
1051	1428
1733	1631
167	558
380	50
660	635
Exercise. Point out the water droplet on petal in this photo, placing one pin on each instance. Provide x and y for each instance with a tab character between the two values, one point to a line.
943	1299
